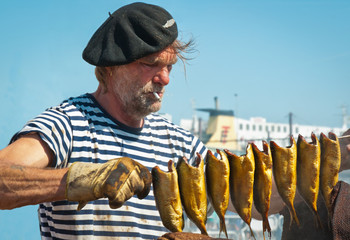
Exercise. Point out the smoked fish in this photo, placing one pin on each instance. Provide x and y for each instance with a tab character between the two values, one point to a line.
217	173
242	182
167	197
330	164
284	167
193	191
263	183
308	172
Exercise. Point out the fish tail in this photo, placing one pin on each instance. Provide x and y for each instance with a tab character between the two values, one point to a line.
329	220
318	220
266	226
251	231
223	226
293	216
202	228
204	231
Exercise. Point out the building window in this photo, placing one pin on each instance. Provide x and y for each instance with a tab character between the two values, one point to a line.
241	126
260	128
267	128
278	128
272	128
285	129
247	127
254	127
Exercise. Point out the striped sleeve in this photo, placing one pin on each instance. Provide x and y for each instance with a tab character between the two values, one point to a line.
55	129
197	147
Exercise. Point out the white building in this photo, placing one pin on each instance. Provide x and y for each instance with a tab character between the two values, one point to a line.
224	131
257	129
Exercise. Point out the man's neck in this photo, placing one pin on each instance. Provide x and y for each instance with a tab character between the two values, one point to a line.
113	106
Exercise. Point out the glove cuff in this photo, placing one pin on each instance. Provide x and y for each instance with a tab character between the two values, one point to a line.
80	178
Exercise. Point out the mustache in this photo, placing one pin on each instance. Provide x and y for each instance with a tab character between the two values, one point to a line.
154	89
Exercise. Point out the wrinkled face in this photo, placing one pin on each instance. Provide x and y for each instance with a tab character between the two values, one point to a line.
135	83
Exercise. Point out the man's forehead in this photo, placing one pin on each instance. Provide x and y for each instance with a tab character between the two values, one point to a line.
166	56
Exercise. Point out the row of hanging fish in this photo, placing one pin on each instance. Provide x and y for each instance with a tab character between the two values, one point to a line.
309	167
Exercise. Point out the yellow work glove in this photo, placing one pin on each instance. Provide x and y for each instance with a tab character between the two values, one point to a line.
118	180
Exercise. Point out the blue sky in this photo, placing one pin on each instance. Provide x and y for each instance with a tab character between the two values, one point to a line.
275	56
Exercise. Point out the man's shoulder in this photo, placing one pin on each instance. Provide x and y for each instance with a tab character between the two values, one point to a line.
79	100
73	103
161	120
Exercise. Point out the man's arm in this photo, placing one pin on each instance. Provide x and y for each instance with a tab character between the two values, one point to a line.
24	176
26	180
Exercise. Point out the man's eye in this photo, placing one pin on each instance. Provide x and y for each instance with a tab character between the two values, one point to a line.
147	64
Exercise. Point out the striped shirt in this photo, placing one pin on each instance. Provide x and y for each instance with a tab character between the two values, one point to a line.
79	129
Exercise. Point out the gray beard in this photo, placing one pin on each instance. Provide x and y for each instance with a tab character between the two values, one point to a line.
140	106
136	103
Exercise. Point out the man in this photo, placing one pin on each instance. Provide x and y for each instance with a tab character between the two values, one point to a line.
84	159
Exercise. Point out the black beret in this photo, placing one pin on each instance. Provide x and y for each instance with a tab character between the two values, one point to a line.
130	33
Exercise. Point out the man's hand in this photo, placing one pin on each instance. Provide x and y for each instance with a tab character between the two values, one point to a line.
345	151
118	180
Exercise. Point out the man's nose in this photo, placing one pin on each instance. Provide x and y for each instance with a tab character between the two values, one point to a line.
162	77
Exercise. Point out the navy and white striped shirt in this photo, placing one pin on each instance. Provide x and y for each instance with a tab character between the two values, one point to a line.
79	129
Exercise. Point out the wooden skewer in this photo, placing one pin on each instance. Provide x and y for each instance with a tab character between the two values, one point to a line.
345	136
